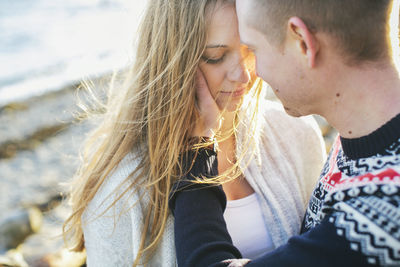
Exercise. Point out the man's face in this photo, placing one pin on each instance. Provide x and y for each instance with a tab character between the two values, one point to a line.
280	67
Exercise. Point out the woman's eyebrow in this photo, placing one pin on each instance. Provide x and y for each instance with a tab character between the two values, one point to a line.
216	46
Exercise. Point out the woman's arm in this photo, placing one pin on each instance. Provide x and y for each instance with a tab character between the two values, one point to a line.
201	237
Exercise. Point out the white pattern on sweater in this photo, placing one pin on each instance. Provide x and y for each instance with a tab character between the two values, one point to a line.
289	161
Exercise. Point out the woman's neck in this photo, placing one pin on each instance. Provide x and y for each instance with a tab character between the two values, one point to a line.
226	140
227	127
226	143
237	188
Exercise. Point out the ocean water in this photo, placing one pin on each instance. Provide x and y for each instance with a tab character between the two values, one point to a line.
47	44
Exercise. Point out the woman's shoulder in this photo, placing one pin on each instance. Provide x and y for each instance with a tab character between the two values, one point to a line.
112	220
122	171
116	189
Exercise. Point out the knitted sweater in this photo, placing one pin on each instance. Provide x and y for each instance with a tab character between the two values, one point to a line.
353	217
112	238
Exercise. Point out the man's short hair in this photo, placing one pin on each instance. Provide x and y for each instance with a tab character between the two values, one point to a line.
360	27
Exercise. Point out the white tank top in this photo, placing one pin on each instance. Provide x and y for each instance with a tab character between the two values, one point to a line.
246	226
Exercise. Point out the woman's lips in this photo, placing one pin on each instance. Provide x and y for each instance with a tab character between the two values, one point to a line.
238	92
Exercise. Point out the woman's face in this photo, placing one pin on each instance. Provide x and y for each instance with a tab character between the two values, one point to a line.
226	63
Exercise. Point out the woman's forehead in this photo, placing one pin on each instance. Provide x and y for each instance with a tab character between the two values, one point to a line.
223	26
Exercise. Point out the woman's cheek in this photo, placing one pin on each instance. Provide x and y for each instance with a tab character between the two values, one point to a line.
214	77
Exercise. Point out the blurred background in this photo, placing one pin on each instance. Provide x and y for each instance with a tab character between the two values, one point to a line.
47	47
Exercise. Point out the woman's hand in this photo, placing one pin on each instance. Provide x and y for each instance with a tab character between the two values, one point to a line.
210	115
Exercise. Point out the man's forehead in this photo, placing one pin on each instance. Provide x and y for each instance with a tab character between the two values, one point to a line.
247	37
243	9
245	28
244	14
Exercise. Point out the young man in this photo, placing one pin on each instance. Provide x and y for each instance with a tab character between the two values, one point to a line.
331	58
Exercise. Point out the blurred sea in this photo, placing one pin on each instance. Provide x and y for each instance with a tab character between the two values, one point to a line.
47	44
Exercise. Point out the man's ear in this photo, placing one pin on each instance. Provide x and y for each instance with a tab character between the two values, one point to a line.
304	38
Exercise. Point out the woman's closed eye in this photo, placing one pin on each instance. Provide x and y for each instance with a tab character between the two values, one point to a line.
213	60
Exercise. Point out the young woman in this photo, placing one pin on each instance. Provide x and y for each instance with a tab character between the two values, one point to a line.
268	161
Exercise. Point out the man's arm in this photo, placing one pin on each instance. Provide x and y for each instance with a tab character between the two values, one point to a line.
202	239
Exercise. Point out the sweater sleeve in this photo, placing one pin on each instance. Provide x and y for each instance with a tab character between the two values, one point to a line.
201	236
202	239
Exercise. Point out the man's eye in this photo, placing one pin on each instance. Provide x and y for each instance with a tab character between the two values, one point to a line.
250	50
213	60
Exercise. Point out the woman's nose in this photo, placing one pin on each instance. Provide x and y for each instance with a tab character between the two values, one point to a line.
239	71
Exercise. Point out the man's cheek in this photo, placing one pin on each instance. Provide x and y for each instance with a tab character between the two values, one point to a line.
262	71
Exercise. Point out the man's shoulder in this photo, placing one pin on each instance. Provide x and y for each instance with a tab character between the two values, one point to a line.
344	177
365	165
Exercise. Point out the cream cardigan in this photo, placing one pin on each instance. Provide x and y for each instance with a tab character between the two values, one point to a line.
283	173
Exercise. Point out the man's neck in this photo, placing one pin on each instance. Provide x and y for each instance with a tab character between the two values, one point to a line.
365	100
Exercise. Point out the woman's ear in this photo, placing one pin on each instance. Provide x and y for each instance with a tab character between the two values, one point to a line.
306	43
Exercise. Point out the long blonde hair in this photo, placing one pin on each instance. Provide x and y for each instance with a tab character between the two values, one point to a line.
151	113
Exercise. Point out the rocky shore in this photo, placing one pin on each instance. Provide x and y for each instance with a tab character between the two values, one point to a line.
39	143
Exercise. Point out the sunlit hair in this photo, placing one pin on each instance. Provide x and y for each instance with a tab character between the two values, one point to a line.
150	115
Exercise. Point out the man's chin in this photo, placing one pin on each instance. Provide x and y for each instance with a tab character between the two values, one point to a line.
292	112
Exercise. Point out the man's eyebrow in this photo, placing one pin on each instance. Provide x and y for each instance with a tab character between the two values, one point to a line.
216	46
249	46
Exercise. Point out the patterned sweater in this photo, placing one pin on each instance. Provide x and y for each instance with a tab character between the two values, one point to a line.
353	216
